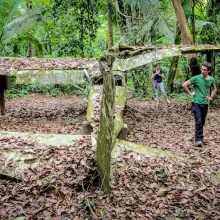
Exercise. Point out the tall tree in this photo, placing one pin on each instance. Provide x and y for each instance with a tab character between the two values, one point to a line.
186	35
30	52
110	23
183	24
174	63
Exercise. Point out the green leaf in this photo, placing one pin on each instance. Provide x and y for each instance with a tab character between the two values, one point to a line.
91	203
102	213
20	218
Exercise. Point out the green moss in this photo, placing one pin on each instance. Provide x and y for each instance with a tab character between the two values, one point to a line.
94	92
46	139
73	77
118	124
148	151
120	97
216	176
143	59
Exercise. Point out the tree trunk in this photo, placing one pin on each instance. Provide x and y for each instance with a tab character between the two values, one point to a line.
193	22
81	35
31	51
186	34
174	63
123	19
106	140
110	24
135	81
183	24
212	61
172	74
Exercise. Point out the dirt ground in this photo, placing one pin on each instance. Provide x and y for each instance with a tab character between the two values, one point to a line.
143	188
62	115
168	127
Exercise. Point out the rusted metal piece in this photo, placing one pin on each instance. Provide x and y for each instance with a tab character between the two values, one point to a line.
5	83
2	102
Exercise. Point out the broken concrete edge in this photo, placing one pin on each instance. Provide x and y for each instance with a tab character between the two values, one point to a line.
141	150
152	152
4	117
145	151
21	161
46	139
57	140
74	77
18	162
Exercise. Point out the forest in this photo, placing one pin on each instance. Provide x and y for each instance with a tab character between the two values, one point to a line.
85	133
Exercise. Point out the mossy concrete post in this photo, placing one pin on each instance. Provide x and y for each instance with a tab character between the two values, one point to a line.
106	140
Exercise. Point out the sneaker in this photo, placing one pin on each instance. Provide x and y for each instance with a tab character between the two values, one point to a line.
199	143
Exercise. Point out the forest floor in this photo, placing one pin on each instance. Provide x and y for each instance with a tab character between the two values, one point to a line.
142	187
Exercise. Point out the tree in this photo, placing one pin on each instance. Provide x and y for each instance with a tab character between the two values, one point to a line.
110	23
174	63
186	35
71	26
17	23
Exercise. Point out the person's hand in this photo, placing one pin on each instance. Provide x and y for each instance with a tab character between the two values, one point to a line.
192	93
209	98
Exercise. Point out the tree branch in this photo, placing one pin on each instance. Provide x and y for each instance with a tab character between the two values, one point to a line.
127	16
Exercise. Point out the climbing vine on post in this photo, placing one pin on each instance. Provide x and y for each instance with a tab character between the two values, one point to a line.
105	136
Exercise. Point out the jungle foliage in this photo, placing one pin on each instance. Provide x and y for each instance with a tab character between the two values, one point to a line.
83	28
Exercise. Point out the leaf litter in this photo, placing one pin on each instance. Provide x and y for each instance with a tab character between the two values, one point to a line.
66	187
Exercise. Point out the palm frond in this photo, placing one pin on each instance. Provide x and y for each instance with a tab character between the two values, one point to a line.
19	25
33	41
7	13
200	24
164	27
146	28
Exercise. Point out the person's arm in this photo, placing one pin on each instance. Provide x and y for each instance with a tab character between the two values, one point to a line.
209	98
186	88
162	75
153	75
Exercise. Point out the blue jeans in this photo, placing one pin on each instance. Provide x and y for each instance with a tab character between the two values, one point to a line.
200	111
160	87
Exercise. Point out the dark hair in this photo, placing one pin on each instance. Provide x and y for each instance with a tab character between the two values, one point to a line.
208	65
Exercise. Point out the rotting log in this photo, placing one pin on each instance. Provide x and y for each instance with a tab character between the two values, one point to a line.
106	141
